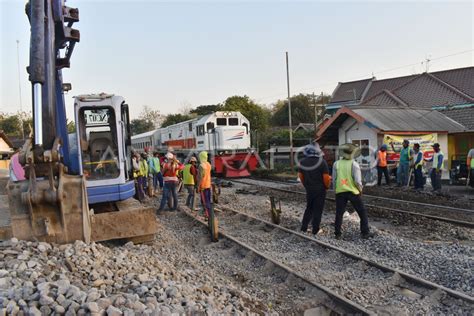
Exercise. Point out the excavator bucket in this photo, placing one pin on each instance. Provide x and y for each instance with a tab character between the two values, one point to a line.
51	210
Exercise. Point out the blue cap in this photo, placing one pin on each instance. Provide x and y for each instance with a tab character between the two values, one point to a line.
312	150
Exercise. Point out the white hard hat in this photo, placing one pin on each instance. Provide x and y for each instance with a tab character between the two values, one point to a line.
169	156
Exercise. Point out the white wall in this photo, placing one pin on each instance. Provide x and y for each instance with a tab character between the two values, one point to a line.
352	130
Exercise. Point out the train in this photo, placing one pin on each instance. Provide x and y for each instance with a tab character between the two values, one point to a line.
224	134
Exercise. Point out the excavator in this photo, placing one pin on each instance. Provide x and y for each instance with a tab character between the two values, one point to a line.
78	186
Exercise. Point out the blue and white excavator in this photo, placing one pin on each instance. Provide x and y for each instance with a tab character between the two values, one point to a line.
79	186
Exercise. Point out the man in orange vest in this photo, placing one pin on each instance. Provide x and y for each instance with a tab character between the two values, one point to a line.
382	167
204	187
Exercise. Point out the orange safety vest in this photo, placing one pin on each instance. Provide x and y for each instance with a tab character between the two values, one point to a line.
205	175
382	158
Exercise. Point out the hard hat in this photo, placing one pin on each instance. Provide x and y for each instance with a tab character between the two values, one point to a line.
169	156
193	159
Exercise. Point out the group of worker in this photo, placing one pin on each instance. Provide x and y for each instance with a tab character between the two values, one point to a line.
154	173
411	162
346	179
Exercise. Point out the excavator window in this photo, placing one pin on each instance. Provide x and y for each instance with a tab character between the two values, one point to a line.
99	151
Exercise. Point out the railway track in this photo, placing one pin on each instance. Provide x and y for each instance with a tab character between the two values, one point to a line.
379	289
320	298
459	216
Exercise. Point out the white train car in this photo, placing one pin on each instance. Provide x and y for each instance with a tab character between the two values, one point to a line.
225	135
148	141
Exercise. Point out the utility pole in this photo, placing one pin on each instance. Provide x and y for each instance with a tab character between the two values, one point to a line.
289	112
19	87
315	114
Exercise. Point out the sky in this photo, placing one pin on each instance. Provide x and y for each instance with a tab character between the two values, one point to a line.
175	55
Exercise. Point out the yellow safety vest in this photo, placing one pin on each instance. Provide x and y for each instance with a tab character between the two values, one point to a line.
421	161
188	178
344	180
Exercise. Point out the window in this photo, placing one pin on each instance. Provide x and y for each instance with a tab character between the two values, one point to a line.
99	150
200	130
222	121
363	144
246	127
233	121
209	126
169	135
190	127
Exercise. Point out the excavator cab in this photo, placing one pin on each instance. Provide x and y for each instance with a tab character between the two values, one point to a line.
104	147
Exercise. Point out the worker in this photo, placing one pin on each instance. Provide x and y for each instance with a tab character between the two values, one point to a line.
204	182
155	171
436	168
382	167
418	167
170	182
143	163
140	193
314	175
190	181
404	162
17	173
470	167
347	179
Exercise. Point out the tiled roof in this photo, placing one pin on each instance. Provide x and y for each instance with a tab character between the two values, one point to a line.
462	79
465	116
386	84
425	92
442	88
345	90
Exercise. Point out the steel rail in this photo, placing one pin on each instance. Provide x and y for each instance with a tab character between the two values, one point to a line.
408	277
434	217
340	301
377	197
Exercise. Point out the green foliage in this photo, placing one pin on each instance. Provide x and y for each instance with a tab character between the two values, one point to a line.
302	109
11	124
206	109
282	138
258	115
71	127
171	119
139	126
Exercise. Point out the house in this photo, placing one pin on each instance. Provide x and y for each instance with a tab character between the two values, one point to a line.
451	92
6	146
370	127
307	127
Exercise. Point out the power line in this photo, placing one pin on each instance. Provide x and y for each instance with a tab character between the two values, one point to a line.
319	86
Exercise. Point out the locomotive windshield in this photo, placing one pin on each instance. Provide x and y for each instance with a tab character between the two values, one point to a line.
98	143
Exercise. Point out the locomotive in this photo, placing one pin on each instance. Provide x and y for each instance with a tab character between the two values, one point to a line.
224	134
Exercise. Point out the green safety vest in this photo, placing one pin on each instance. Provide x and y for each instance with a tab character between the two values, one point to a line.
472	162
187	176
155	165
435	160
421	161
345	182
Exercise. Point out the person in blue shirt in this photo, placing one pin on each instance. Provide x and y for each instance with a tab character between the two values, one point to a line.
418	167
406	155
436	168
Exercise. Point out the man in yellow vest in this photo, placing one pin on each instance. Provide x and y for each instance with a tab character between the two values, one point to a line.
347	179
437	168
190	181
143	173
204	186
470	167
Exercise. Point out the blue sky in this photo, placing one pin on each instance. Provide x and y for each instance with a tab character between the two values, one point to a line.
169	55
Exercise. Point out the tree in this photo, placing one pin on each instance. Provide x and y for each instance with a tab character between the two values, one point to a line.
256	114
150	115
171	119
11	124
71	127
206	109
302	109
139	126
